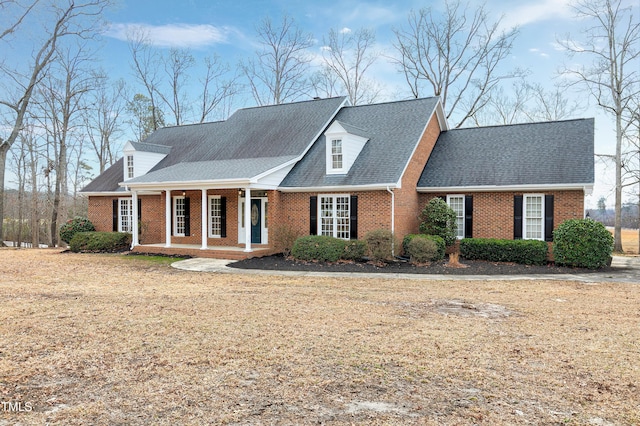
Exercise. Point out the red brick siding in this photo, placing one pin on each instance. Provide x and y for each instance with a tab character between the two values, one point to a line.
407	200
493	211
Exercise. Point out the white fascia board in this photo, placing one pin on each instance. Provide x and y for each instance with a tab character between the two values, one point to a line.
161	186
128	147
340	188
587	188
279	167
344	103
438	112
105	194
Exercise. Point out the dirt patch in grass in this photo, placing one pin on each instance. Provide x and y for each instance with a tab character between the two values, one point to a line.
100	339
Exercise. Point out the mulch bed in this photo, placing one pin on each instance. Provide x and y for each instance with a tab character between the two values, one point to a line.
473	267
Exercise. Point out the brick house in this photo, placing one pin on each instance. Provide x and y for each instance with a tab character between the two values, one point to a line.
325	167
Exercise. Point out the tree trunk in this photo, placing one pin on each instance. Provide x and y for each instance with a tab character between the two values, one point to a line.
4	148
617	225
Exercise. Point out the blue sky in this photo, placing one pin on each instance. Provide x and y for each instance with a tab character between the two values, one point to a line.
227	28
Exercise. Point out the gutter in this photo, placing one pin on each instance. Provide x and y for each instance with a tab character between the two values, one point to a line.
393	219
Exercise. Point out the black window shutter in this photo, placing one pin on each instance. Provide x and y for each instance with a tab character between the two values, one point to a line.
223	217
187	216
548	217
442	197
139	209
517	217
313	215
353	218
468	216
115	216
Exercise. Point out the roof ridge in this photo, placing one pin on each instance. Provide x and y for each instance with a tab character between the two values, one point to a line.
290	103
523	124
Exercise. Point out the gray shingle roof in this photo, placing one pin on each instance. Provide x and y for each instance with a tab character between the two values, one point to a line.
551	153
243	168
245	143
151	147
393	129
108	180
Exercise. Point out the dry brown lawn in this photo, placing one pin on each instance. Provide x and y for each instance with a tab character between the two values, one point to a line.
630	241
97	339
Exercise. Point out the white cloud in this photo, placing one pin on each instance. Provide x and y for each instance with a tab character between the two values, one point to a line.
172	35
537	11
345	30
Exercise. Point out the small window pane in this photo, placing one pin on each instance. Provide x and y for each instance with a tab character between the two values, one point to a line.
456	202
179	216
533	217
336	153
215	212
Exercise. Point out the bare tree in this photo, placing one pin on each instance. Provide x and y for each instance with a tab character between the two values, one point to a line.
455	56
610	41
217	91
348	55
176	67
63	19
103	118
68	81
279	73
146	65
6	9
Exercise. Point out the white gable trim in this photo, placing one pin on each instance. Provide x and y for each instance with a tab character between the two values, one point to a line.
587	188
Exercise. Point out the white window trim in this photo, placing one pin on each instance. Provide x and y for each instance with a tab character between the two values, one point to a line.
130	167
334	232
525	197
130	209
210	216
175	216
449	196
329	148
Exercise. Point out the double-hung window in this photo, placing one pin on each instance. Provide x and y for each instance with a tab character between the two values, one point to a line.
125	215
179	216
129	166
336	154
334	216
456	202
533	217
215	216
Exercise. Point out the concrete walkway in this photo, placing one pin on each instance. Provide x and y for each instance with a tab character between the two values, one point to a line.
628	271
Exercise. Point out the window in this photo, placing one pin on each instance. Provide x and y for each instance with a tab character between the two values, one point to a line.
125	215
215	217
533	225
334	216
179	216
129	166
456	202
336	154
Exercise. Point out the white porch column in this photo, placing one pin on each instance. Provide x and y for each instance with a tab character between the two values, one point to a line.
134	219
247	220
204	219
167	218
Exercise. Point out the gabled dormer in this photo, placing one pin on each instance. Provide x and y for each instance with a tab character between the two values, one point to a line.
140	157
343	145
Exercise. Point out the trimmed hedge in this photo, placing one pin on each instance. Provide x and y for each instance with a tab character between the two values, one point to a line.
73	226
528	252
354	250
441	246
100	242
582	243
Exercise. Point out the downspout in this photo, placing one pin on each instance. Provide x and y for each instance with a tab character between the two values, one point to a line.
393	220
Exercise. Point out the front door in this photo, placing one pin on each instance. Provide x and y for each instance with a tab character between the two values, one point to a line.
256	221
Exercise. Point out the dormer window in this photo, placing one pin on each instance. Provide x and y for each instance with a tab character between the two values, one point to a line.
130	166
343	145
336	154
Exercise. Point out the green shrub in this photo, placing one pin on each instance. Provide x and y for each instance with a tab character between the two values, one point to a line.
354	250
439	219
100	242
422	249
318	247
380	244
582	243
73	226
528	252
435	238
